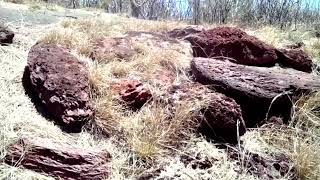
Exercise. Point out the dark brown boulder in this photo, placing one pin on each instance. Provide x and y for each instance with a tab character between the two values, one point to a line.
181	33
6	35
57	160
60	81
219	118
260	91
132	92
233	43
296	59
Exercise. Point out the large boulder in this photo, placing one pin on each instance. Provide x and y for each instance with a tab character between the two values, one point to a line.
60	81
296	59
261	92
132	92
57	160
235	44
220	116
6	35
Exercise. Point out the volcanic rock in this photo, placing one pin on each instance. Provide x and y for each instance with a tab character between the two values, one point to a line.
235	44
261	92
60	81
181	33
58	160
6	35
132	92
128	46
219	118
296	59
119	47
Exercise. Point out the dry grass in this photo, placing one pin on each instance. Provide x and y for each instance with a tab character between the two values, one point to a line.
155	137
82	34
300	140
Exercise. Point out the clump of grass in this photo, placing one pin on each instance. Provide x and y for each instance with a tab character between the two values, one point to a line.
81	34
34	7
149	132
154	129
314	49
300	140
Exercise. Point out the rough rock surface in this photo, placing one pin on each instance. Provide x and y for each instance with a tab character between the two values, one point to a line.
118	47
275	166
132	92
128	46
181	33
219	118
295	58
256	89
233	43
60	81
6	35
57	160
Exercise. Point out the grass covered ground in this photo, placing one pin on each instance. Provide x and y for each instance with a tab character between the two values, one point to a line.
147	141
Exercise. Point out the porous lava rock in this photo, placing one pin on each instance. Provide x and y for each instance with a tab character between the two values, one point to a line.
220	118
60	82
117	47
296	59
6	35
60	161
181	33
132	92
233	43
267	167
130	45
261	92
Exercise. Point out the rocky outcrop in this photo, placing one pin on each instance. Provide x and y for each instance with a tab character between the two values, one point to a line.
267	167
128	46
107	48
235	44
6	35
60	81
132	92
181	33
260	91
296	59
57	160
241	48
219	118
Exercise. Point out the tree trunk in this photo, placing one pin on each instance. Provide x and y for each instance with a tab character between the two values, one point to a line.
135	9
196	12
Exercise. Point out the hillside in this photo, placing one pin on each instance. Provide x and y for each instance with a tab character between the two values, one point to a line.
91	95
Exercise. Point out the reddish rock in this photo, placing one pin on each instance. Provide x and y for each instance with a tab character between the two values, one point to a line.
260	91
181	33
219	118
296	59
132	92
233	43
6	35
60	81
267	167
126	47
119	47
57	160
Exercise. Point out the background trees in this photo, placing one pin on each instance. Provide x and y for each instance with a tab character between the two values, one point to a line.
282	13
